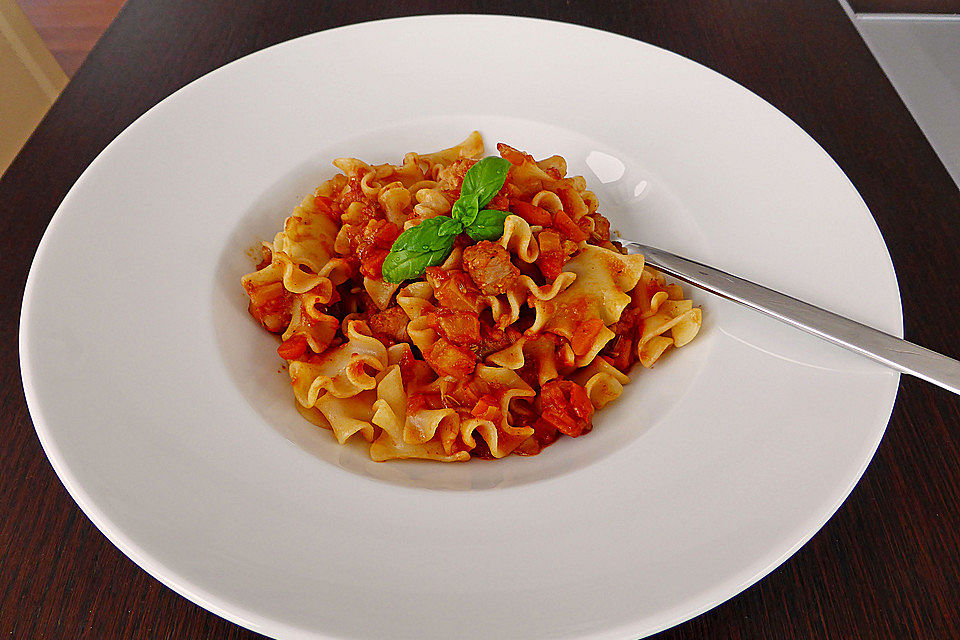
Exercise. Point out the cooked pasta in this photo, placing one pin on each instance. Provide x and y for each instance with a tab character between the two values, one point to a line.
497	327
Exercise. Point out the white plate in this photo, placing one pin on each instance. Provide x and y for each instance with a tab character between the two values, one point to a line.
160	404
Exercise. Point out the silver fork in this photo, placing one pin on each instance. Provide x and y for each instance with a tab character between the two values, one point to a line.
895	353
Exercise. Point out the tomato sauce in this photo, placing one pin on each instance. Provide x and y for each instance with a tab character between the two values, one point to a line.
459	311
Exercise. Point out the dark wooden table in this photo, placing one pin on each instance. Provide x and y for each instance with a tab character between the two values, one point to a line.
885	566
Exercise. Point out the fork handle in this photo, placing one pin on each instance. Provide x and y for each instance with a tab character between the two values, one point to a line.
886	349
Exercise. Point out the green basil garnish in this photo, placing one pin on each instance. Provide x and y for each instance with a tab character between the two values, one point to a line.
485	179
488	225
422	237
465	209
416	249
450	227
430	242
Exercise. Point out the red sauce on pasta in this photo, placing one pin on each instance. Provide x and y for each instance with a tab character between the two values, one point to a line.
509	335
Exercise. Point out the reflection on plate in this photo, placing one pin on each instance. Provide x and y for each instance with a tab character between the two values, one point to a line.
152	403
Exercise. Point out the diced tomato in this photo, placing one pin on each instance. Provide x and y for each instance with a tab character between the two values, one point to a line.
386	234
487	408
461	327
448	359
565	405
551	264
500	202
568	228
513	156
292	348
552	257
531	213
407	366
327	206
545	433
580	403
585	334
416	403
465	394
453	289
270	305
560	421
414	372
549	241
373	246
373	266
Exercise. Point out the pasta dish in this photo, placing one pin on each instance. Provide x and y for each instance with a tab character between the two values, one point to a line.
455	306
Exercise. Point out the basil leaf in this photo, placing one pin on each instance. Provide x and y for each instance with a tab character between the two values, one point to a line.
488	225
485	179
417	248
450	227
423	237
465	208
411	263
430	242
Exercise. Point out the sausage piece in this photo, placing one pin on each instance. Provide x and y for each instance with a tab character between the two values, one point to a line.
489	265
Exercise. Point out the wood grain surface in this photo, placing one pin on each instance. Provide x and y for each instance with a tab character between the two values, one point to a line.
70	28
885	566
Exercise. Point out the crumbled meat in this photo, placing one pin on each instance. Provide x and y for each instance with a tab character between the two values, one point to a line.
493	339
451	178
489	265
391	323
601	229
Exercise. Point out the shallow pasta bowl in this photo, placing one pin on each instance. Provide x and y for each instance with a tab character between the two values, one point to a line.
162	407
